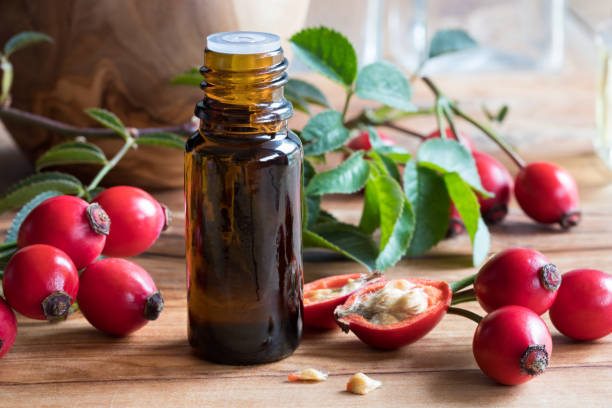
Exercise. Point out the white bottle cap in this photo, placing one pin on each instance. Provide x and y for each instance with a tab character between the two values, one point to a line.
243	42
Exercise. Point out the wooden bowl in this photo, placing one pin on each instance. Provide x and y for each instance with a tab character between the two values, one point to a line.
121	55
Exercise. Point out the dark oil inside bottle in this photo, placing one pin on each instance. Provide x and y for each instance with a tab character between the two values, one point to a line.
243	214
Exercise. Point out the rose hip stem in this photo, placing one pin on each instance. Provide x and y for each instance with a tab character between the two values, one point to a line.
462	283
455	109
465	313
463	296
441	107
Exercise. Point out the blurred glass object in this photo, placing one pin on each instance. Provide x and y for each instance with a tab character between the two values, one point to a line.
361	21
512	34
603	106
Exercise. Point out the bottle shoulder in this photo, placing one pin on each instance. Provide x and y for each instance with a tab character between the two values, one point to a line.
287	144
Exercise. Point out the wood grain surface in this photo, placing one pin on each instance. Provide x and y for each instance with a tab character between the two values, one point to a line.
71	364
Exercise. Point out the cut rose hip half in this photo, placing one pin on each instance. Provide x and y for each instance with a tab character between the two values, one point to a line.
389	314
322	296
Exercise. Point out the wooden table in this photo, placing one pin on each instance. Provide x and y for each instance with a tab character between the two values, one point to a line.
71	364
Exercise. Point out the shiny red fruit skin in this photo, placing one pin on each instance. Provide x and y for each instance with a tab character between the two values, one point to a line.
137	219
512	277
362	142
501	339
393	336
33	273
546	192
113	294
469	144
62	222
495	179
8	327
583	309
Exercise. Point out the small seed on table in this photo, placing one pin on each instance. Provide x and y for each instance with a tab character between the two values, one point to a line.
308	374
362	384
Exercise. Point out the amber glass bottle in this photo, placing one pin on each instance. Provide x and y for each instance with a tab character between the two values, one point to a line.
243	171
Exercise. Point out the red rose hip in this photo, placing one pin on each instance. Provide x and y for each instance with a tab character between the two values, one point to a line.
118	297
495	179
362	141
583	308
70	224
517	276
41	282
512	345
548	194
8	327
465	139
136	220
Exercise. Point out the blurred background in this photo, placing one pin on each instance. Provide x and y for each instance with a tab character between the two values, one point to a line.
121	55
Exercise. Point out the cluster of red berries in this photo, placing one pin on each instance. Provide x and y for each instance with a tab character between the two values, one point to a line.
63	236
512	343
546	192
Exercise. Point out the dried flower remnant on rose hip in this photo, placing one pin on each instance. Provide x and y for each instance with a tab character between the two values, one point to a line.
308	374
362	384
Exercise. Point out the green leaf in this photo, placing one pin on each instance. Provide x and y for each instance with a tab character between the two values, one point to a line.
71	153
325	216
309	172
327	52
350	176
370	215
467	204
499	116
400	239
390	204
345	239
395	153
24	39
30	187
298	102
313	206
386	164
301	93
448	156
325	131
446	41
165	139
13	231
426	191
385	83
191	77
108	119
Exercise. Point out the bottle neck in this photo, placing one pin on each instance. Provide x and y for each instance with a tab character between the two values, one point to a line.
243	95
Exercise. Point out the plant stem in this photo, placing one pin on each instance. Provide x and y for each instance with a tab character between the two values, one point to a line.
439	106
463	296
108	166
489	132
465	313
7	245
18	115
462	283
451	124
404	130
349	93
7	80
440	119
